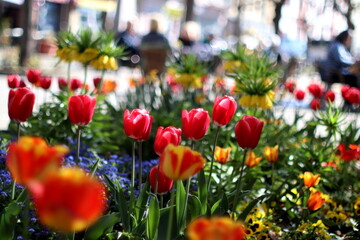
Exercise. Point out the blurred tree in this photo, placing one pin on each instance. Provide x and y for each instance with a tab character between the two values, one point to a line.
189	10
278	6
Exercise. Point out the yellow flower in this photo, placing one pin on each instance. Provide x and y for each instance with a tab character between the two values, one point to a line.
189	80
171	71
271	153
111	64
252	160
66	54
232	65
88	55
310	180
263	102
222	155
104	62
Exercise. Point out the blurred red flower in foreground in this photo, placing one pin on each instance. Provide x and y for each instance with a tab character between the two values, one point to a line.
353	95
215	228
315	104
13	81
290	86
20	104
180	163
164	183
315	201
45	82
355	148
33	75
69	200
330	96
299	94
75	84
62	82
316	90
31	159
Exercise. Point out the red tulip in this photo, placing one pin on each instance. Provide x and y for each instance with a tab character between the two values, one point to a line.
248	131
330	96
62	82
195	123
31	159
224	110
33	75
164	183
316	90
20	104
45	82
165	136
299	94
75	84
347	154
13	81
69	200
81	109
344	90
315	201
353	95
97	81
290	86
315	104
22	83
137	124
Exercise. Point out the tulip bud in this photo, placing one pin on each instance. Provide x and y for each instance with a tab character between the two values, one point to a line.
165	136
299	94
33	75
45	82
330	96
315	201
97	81
75	84
81	109
224	110
316	90
62	83
137	124
20	104
248	131
164	183
315	104
13	81
195	123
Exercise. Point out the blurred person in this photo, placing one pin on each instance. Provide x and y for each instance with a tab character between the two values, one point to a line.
340	65
131	40
154	48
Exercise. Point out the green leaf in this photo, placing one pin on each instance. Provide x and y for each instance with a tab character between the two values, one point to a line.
202	191
142	200
102	226
250	206
194	207
180	202
8	219
123	208
153	219
221	206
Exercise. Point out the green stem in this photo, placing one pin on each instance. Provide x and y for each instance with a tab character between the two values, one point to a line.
161	201
133	165
272	176
140	164
78	133
183	218
26	217
212	158
85	77
238	185
13	185
171	214
68	75
18	131
157	180
101	81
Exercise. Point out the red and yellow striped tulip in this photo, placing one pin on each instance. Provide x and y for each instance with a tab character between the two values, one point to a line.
315	201
252	160
179	162
69	200
311	180
31	159
222	155
271	153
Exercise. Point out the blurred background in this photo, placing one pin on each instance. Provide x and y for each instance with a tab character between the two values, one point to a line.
288	29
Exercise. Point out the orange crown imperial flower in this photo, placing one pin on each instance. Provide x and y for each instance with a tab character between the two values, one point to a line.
215	228
252	160
31	159
69	200
311	180
271	153
179	162
222	155
316	201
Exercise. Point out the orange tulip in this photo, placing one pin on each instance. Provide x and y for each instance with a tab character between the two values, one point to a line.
69	200
311	180
31	159
315	201
222	155
216	228
179	162
252	160
271	153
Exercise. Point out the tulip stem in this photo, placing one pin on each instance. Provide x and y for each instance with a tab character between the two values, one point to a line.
18	131
140	164
133	166
68	75
161	201
212	157
78	133
171	214
157	180
13	185
101	81
272	176
183	219
85	76
238	185
26	216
